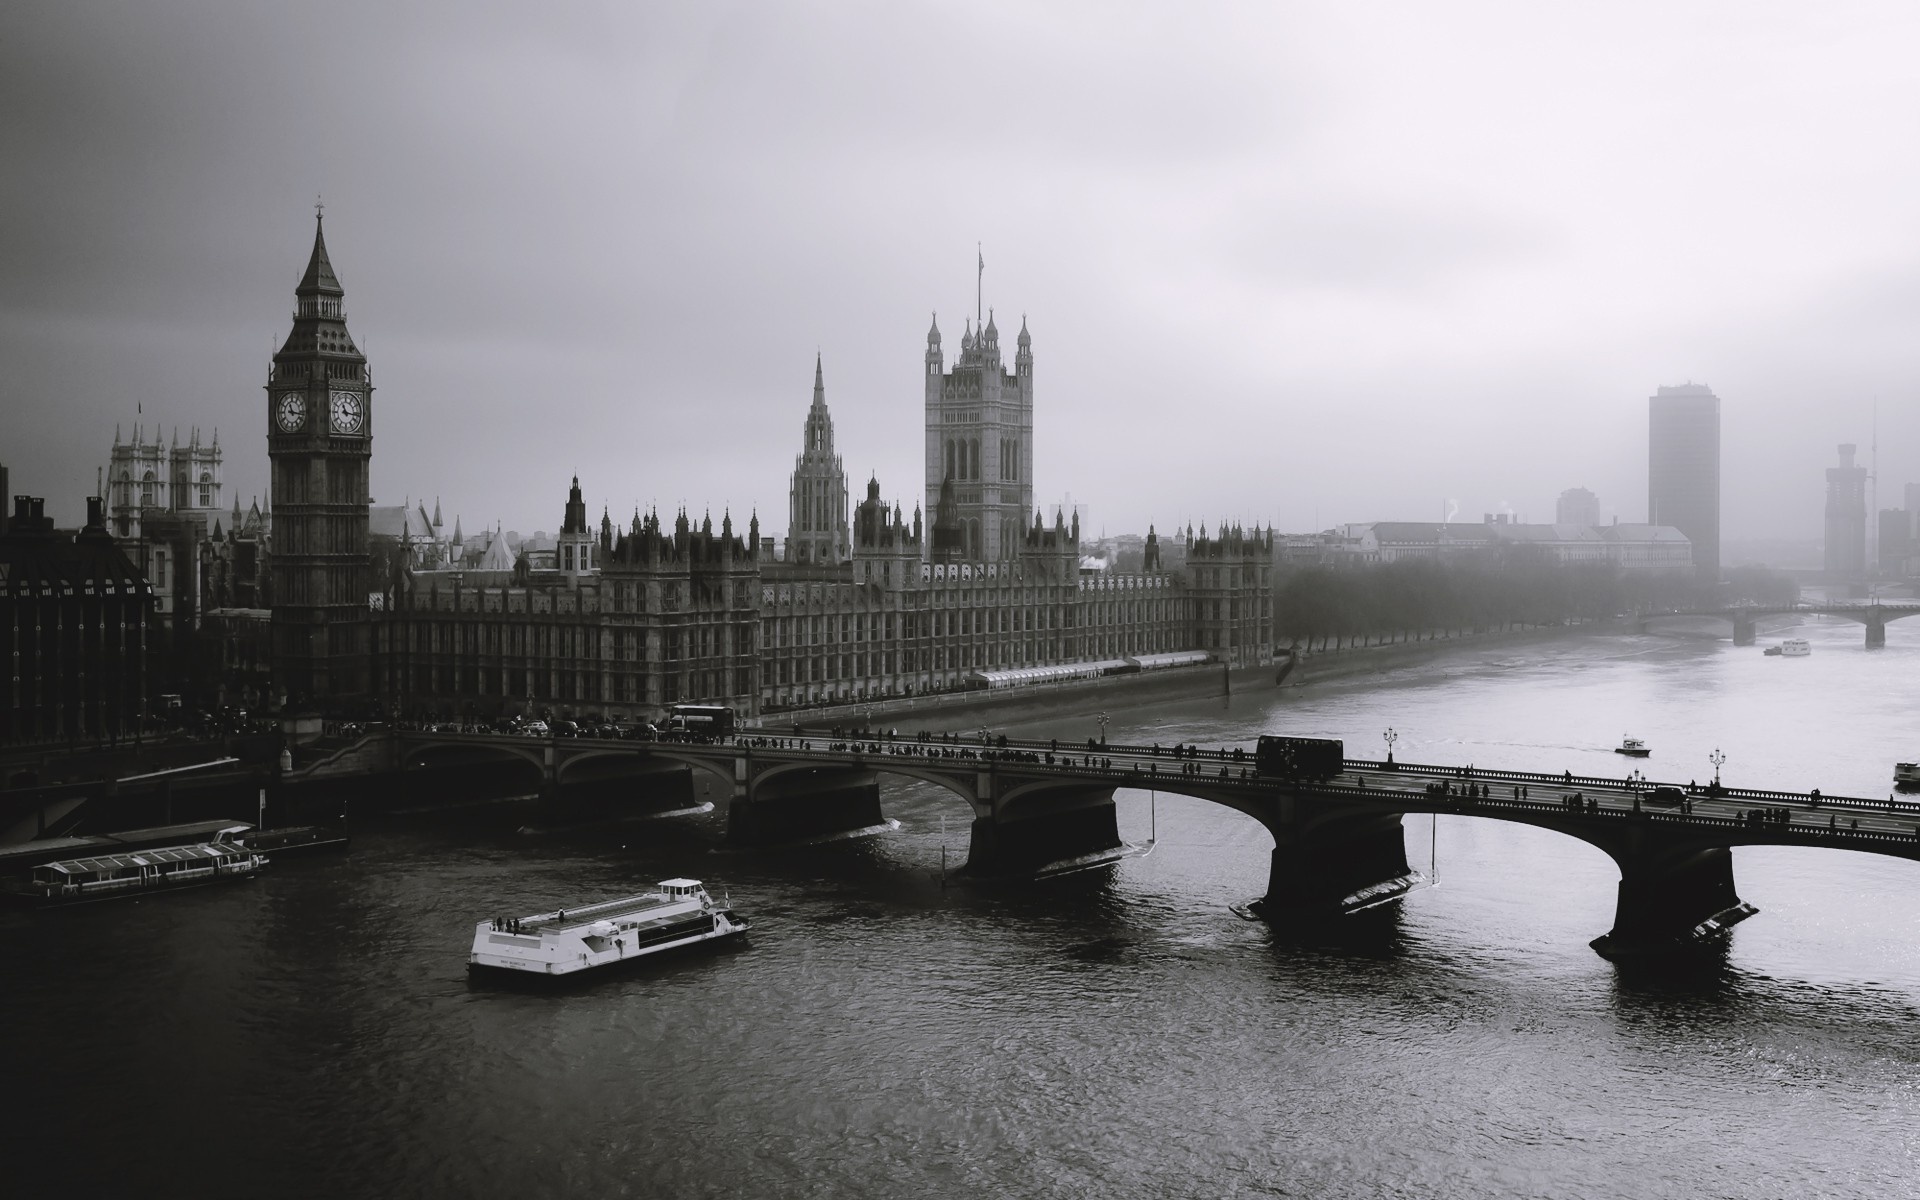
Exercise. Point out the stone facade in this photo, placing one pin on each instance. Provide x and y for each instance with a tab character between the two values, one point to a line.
817	512
655	619
699	617
73	611
319	443
980	436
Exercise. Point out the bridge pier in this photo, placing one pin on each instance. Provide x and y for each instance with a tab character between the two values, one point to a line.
1671	899
1876	631
810	803
1057	827
1338	865
1743	631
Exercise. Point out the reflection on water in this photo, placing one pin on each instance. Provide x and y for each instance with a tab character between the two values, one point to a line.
889	1031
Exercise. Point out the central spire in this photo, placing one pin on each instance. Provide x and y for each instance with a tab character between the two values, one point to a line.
819	384
319	279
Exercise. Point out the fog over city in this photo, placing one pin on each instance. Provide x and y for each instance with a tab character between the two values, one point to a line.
1289	264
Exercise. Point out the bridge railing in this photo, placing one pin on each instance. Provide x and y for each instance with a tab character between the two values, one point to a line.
1089	758
1467	805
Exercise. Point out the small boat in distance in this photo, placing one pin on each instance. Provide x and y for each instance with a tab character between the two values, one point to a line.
1771	652
1795	648
1906	777
1632	747
679	912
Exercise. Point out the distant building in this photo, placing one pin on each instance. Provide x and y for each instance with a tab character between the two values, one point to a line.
1683	469
1846	556
76	610
1577	506
1896	543
1630	547
161	503
410	531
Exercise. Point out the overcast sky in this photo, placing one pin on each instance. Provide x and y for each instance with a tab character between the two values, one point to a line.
1299	264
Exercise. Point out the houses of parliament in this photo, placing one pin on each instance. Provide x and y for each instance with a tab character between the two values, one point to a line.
618	620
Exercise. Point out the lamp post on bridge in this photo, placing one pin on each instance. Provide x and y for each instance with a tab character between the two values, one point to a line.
1389	737
1716	758
1102	718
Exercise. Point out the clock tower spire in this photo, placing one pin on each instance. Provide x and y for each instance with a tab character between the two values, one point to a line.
319	444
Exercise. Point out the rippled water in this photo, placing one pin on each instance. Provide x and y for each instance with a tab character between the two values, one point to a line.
1114	1033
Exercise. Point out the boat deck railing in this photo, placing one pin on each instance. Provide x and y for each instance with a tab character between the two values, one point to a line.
586	914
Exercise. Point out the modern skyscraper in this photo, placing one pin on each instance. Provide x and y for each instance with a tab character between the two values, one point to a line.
1846	556
1577	506
980	435
1683	469
817	523
319	443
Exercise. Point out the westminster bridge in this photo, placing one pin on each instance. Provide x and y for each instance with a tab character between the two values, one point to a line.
1873	614
1339	842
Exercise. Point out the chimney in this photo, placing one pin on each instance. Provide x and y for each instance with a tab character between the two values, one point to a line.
94	519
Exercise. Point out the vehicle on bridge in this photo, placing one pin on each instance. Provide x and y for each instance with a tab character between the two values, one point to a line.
698	723
679	912
1299	758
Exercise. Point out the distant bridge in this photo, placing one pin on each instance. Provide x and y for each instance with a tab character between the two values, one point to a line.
1339	844
1871	613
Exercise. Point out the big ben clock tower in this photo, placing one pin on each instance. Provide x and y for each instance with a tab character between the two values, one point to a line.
319	441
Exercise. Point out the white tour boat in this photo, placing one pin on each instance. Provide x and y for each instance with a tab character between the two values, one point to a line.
679	912
1906	776
1795	648
109	876
1632	747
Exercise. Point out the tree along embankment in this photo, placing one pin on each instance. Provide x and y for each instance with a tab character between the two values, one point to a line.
1358	659
1319	608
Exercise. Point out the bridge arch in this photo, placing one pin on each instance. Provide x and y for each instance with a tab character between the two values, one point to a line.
899	767
419	755
565	769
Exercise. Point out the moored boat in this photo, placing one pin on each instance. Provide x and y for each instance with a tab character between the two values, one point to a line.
295	839
1632	747
678	912
112	876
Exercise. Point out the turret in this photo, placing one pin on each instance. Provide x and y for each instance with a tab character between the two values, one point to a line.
574	547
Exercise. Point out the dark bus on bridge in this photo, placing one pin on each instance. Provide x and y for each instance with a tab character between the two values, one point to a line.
1299	758
698	722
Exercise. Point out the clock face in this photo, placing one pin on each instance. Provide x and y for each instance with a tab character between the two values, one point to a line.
291	412
347	414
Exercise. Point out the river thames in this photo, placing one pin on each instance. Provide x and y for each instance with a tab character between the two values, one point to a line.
1119	1032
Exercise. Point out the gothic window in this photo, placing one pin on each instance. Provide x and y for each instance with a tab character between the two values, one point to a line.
146	489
